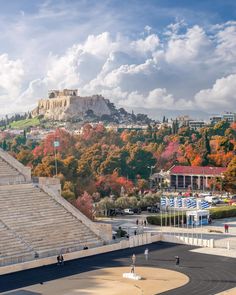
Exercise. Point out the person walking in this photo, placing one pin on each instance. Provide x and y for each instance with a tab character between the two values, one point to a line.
132	268
136	221
146	254
176	260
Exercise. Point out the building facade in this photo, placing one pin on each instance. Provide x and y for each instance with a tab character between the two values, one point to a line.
194	177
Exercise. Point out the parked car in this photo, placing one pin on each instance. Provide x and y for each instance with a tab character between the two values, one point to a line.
119	211
128	211
153	209
137	210
212	200
111	212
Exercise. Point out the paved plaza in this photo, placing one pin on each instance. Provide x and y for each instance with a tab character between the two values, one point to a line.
213	231
207	274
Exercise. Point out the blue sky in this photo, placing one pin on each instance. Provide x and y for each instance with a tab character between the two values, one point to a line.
155	55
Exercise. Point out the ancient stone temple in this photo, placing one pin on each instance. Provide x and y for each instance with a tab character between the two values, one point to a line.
66	105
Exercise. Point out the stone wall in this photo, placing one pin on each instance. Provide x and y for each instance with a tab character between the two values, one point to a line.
138	240
25	172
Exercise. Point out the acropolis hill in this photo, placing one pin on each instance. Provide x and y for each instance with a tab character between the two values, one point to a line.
66	105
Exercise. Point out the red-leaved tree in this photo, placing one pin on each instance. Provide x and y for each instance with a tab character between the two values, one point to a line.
85	204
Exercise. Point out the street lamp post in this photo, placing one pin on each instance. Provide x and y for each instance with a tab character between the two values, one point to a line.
151	167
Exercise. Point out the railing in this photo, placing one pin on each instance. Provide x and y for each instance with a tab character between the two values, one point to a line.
170	238
227	243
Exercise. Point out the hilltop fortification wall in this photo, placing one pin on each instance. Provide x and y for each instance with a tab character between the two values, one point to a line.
67	105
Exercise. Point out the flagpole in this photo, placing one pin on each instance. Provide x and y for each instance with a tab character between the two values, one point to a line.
161	217
55	157
201	227
178	216
170	220
174	231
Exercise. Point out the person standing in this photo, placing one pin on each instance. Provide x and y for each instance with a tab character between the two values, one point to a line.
132	268
176	260
226	226
133	259
61	260
146	254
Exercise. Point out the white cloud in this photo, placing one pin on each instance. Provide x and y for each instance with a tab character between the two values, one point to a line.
175	70
190	47
221	97
11	78
149	44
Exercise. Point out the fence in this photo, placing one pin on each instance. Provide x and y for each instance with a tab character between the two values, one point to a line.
187	240
227	243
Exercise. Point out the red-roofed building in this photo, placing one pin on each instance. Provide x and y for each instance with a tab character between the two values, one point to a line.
196	177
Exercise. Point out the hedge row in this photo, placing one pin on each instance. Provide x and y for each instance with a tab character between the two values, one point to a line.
223	212
166	219
215	213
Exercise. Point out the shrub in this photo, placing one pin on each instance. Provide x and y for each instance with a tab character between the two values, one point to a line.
223	212
216	213
166	219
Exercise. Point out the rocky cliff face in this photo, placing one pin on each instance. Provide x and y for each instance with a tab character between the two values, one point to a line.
66	105
72	107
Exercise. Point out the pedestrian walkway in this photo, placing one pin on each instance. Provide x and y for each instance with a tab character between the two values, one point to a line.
216	251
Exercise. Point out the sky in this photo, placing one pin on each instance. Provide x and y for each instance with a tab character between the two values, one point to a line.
155	56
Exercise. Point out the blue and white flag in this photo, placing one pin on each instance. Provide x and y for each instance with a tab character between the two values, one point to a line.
188	203
179	202
163	201
172	202
204	204
193	203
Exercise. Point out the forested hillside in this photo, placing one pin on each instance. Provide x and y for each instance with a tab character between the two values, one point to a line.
103	161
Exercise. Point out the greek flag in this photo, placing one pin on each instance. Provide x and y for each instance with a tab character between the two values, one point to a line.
204	204
193	203
188	203
172	202
163	201
179	202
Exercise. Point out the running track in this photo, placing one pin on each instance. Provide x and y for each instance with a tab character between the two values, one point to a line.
208	274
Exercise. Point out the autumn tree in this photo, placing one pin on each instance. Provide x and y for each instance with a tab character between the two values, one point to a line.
229	181
85	204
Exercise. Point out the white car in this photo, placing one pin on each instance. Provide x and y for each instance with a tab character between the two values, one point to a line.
129	211
212	200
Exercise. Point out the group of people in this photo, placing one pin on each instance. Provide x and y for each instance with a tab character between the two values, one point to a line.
146	254
141	222
60	260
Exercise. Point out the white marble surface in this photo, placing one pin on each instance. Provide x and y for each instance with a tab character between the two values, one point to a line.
132	276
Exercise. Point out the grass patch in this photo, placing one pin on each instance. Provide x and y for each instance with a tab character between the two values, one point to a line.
22	124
